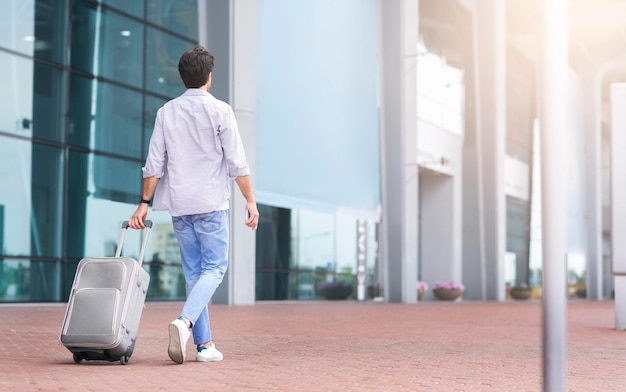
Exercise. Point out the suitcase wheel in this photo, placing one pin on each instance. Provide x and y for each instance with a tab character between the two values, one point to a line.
124	359
77	358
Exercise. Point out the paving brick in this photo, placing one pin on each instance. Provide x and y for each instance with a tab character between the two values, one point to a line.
328	346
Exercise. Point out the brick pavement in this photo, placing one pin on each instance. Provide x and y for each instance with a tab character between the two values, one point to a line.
328	346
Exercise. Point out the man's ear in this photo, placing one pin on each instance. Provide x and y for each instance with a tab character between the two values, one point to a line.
209	80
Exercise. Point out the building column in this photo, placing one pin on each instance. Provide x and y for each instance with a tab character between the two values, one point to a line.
554	121
618	193
399	32
491	74
593	182
234	81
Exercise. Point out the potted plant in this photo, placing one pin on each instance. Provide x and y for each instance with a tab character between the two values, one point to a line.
340	289
448	290
520	292
373	290
421	289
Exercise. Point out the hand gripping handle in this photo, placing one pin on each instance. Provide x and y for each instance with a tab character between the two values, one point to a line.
118	252
146	222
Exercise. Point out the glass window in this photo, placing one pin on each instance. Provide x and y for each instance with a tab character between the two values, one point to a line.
47	201
273	285
180	16
50	30
162	53
35	28
107	44
517	236
135	7
30	281
103	193
49	103
36	103
314	241
16	107
15	197
105	117
162	260
299	249
166	282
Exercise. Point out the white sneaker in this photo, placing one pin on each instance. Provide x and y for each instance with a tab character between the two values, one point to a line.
208	354
179	334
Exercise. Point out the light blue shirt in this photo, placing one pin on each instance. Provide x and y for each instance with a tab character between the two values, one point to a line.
195	150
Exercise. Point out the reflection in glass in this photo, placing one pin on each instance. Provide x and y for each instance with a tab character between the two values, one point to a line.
273	253
51	37
180	16
49	103
134	7
107	44
30	281
314	237
162	53
163	260
101	189
15	197
35	28
18	27
273	285
112	123
36	104
16	108
31	201
297	249
166	282
47	201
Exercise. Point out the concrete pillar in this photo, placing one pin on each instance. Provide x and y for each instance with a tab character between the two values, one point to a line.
398	54
593	181
473	259
228	28
554	119
618	195
491	74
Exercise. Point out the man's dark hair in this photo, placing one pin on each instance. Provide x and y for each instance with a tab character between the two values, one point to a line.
194	66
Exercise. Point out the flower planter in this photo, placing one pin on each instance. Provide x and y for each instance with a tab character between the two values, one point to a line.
335	290
520	293
447	294
420	294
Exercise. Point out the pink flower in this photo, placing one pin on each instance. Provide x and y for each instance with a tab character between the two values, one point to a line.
450	285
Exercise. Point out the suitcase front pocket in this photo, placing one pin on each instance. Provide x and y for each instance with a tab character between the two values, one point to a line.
93	319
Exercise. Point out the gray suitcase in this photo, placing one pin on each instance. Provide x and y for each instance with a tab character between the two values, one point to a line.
105	305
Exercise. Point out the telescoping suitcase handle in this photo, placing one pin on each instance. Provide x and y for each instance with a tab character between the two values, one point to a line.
118	252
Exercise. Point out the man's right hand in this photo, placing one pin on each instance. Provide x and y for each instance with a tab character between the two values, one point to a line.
141	213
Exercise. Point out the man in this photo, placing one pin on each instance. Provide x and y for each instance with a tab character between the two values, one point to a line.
195	150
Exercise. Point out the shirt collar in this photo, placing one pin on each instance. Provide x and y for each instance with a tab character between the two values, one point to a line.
195	92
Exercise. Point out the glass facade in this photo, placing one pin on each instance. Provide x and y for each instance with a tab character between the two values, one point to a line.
83	80
299	249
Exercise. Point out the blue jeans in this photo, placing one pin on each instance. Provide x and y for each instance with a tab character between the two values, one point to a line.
203	242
